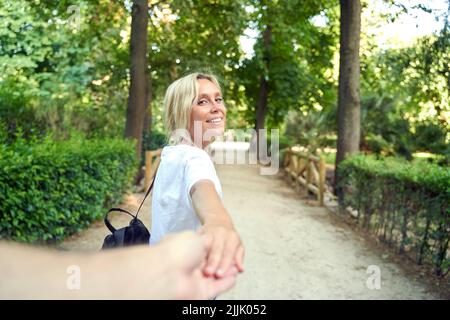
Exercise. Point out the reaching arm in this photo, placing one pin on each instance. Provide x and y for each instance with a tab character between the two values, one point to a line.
225	248
170	270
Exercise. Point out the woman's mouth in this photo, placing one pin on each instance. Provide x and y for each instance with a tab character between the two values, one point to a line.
216	120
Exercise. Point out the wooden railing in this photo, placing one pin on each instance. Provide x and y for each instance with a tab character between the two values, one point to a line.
152	159
307	170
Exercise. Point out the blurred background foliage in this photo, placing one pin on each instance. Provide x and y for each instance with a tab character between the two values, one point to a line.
64	66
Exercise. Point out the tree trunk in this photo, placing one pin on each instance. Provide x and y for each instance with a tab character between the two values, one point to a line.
349	121
261	107
148	105
137	92
262	102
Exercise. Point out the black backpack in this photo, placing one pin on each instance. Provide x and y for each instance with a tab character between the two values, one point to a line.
135	233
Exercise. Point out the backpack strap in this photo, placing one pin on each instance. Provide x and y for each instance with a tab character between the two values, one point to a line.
148	191
106	220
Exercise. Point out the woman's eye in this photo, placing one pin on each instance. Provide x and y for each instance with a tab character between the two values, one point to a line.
219	100
201	102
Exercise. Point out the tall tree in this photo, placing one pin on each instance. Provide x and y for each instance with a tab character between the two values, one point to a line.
148	106
261	108
349	121
292	54
138	80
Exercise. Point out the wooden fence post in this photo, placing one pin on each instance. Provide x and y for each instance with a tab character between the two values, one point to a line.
322	173
286	158
308	174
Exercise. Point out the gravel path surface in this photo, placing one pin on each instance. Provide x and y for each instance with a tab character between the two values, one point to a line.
294	250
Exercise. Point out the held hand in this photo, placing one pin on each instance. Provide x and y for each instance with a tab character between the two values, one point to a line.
186	255
223	244
224	249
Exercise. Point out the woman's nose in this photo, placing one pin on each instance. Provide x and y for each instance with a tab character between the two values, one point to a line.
215	107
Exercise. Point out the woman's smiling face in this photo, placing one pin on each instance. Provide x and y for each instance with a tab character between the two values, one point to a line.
208	113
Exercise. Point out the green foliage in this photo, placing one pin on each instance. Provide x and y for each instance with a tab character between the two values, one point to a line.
330	157
405	204
154	140
310	129
63	69
405	96
51	189
298	63
70	66
16	111
201	35
432	137
382	126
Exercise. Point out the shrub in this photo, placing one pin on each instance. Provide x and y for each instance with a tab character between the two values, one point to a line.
51	189
404	204
311	130
16	111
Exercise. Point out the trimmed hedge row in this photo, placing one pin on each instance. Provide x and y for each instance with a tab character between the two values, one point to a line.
49	190
405	204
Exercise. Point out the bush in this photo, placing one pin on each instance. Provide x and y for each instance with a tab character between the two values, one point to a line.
404	204
16	112
51	189
311	130
432	137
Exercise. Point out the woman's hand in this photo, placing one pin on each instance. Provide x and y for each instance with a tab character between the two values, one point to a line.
185	256
224	246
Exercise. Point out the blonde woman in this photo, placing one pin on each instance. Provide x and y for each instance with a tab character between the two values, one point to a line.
187	192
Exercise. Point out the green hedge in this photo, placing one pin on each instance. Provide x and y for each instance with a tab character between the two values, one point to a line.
49	189
405	204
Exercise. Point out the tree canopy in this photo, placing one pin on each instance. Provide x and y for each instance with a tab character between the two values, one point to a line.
65	65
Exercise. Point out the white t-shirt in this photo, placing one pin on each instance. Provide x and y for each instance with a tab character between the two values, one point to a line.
180	168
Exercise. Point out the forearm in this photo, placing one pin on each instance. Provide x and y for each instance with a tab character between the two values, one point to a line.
223	242
32	273
170	270
208	205
211	215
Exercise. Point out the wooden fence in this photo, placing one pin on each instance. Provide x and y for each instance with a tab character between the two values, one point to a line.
307	170
152	159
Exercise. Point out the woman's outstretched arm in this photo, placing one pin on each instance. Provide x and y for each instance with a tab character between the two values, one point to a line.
225	248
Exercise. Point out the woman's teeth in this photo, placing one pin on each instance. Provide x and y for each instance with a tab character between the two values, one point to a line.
215	120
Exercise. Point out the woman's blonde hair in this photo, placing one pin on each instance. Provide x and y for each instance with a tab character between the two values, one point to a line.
178	101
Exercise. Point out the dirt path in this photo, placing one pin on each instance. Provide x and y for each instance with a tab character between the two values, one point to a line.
294	251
